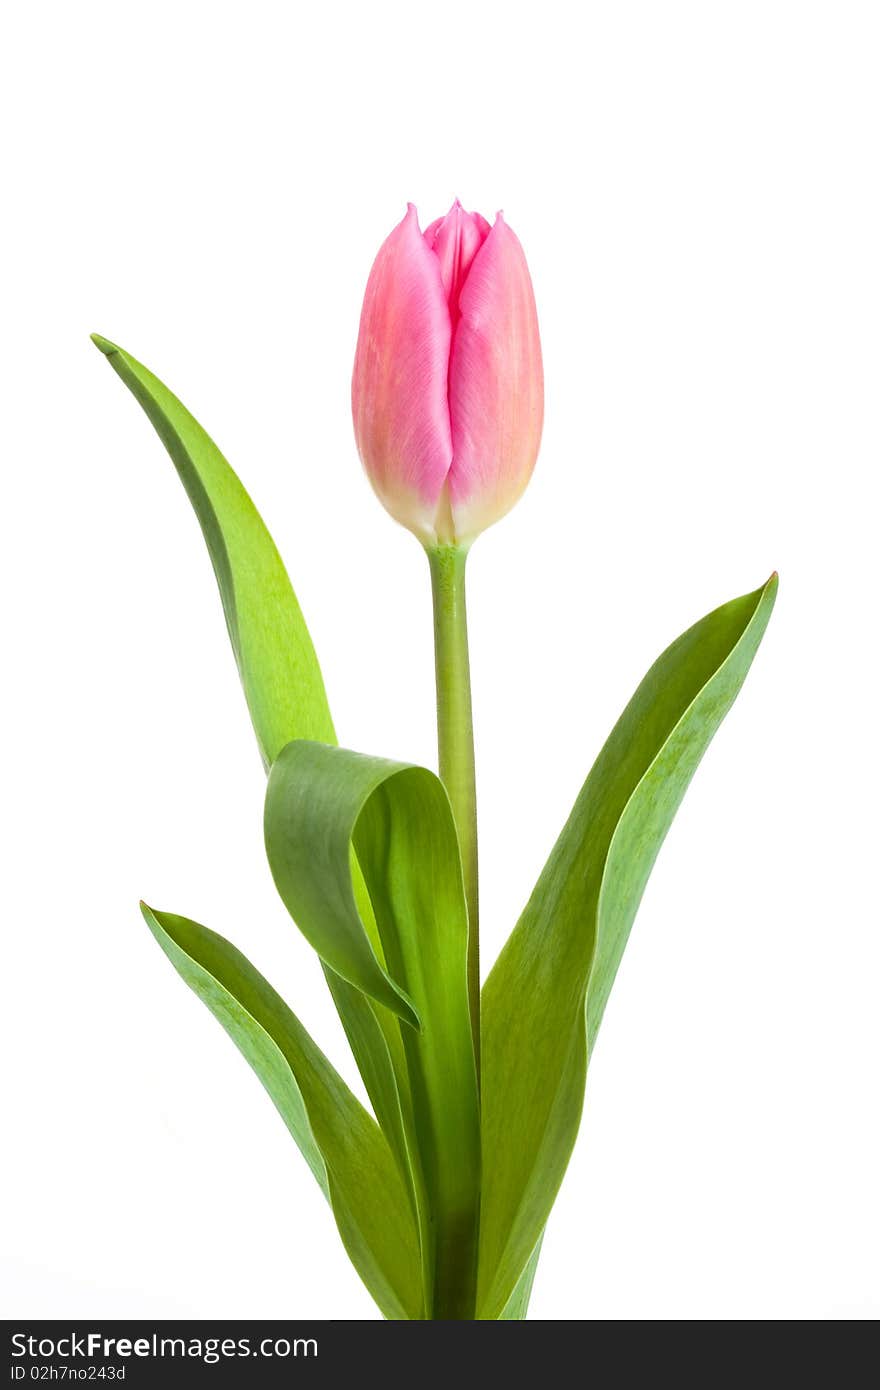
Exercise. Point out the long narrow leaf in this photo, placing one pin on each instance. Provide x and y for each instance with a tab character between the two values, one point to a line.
341	1143
544	999
320	802
276	660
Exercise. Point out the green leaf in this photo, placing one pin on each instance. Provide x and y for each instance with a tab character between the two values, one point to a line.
276	660
543	1001
278	667
341	1143
321	802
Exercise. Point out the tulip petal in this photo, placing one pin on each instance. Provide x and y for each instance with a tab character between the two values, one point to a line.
496	385
399	386
455	240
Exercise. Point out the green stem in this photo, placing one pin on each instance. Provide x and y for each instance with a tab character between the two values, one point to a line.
455	739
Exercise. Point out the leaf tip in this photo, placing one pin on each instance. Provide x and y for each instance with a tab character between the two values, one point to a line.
411	1017
401	1004
104	344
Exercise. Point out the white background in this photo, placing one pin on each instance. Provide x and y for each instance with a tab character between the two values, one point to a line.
696	189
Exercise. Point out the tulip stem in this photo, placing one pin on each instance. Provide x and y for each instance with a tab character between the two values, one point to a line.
455	740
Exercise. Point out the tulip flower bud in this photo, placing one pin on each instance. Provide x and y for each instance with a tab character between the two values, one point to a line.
448	390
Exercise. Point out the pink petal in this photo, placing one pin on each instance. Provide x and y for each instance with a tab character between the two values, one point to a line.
455	240
399	385
496	385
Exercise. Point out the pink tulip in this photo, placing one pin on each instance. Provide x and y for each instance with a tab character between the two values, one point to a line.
448	390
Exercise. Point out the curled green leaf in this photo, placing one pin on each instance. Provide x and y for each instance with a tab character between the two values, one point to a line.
321	803
313	804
